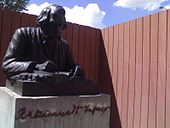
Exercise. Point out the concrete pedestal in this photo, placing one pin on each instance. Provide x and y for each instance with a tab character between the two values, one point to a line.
86	111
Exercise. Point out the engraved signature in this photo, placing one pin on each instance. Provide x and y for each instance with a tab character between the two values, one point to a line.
24	113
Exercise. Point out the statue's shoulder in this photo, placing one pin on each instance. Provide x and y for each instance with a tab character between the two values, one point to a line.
26	30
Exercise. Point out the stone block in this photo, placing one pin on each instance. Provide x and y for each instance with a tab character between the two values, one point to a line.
29	88
84	111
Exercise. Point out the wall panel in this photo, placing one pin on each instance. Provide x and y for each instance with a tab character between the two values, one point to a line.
167	110
138	76
125	85
5	37
145	73
153	71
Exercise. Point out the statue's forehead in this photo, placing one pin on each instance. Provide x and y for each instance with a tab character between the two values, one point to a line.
55	11
53	8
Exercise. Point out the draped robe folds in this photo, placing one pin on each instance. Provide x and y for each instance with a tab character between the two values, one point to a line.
29	46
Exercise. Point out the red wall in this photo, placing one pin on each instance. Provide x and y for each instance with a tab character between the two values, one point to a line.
136	62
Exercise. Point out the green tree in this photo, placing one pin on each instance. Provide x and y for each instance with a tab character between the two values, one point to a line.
17	5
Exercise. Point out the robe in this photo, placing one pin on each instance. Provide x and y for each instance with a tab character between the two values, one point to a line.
30	46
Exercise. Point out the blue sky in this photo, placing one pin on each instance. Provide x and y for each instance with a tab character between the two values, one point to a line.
101	13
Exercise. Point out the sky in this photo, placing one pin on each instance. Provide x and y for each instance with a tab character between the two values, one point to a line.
101	13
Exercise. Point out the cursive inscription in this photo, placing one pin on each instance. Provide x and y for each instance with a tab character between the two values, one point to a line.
24	113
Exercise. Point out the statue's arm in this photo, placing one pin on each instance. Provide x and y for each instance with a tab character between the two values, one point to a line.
70	62
13	62
76	69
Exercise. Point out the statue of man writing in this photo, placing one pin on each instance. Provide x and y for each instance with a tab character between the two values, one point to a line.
41	48
41	57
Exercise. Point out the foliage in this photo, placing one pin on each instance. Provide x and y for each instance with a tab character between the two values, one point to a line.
17	5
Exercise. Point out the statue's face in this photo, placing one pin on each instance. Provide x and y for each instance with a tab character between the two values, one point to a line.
56	23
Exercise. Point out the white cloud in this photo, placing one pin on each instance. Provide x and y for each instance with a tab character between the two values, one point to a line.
91	15
149	5
167	7
35	9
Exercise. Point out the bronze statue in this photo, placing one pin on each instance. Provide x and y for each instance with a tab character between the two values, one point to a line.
41	54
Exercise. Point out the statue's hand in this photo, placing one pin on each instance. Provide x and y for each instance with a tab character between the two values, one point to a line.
77	71
48	66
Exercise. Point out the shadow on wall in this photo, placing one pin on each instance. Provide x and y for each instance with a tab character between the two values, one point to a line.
107	86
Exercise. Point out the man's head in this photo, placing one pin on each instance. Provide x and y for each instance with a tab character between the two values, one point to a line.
52	19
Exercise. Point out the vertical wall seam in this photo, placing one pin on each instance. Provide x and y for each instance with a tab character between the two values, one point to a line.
134	76
128	79
149	70
142	73
122	72
166	65
156	114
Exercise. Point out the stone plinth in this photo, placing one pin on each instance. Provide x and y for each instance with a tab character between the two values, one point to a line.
86	111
